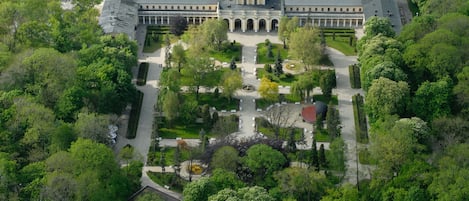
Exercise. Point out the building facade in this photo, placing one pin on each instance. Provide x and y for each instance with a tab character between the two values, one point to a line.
254	15
240	15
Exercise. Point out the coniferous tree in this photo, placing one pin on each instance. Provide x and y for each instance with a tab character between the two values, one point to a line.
314	161
322	156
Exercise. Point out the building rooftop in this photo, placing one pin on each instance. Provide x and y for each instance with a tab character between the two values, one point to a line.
383	8
186	2
323	2
269	5
119	16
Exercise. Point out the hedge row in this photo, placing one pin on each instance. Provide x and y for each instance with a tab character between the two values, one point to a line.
142	74
354	72
134	116
361	128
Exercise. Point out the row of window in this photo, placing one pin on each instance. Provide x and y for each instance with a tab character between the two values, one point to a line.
328	9
147	7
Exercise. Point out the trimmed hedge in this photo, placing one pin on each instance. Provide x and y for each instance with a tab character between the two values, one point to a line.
361	128
134	116
142	74
354	72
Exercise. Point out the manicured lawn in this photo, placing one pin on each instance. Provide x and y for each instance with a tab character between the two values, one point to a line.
324	99
182	130
213	77
283	80
341	44
155	38
262	53
269	132
289	98
228	52
174	182
321	136
220	103
154	156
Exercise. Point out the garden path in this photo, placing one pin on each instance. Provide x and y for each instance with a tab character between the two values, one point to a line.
344	91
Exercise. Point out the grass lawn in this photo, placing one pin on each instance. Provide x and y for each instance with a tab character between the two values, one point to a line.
174	182
262	53
324	99
155	38
283	80
220	103
269	132
341	44
364	157
213	77
289	98
228	52
300	155
154	157
182	130
321	136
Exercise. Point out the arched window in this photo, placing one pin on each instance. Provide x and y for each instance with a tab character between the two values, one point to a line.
335	9
322	9
359	10
353	9
347	9
147	7
153	7
297	9
210	7
197	8
315	9
328	9
203	7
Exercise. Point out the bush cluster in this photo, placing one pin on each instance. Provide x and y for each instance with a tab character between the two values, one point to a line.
361	128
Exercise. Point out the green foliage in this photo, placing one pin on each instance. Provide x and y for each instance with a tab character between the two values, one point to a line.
226	158
199	190
172	180
301	184
433	99
263	161
361	126
327	81
134	116
378	25
386	97
333	121
142	74
305	46
268	89
263	51
231	82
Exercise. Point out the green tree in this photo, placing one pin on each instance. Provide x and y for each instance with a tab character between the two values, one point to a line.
286	27
223	179
197	73
62	137
268	90
170	106
433	99
301	184
263	161
386	97
461	90
8	179
322	157
215	32
327	82
385	69
333	121
378	25
447	183
149	197
178	25
305	46
231	82
226	157
347	192
93	126
233	64
336	156
199	190
178	56
243	194
314	160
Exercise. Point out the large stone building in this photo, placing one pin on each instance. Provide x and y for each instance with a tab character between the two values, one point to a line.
240	15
